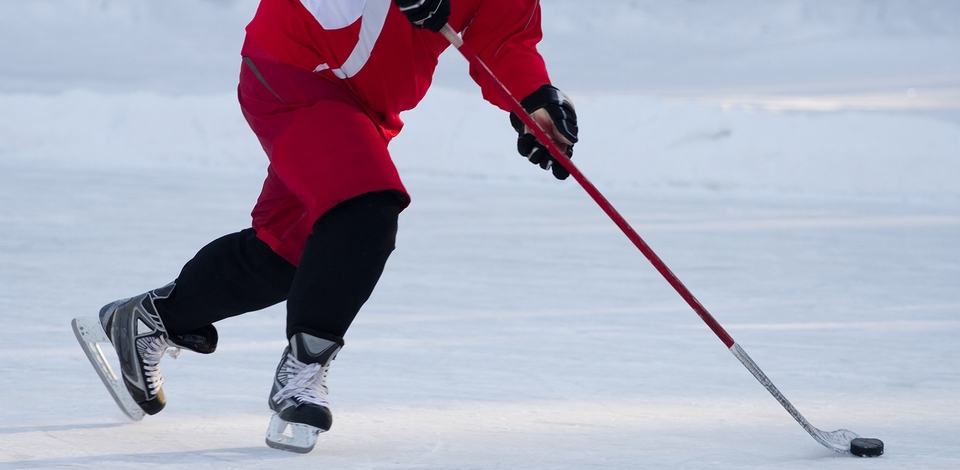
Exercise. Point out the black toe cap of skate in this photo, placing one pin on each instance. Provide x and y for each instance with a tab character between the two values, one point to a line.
152	406
312	415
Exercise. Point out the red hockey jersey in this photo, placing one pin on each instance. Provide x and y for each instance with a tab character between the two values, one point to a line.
370	48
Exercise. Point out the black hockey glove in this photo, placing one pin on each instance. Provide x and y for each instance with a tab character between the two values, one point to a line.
555	113
429	14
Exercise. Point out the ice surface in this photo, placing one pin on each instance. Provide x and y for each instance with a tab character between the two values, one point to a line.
769	151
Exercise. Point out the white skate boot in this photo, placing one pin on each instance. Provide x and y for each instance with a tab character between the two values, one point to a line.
138	335
299	394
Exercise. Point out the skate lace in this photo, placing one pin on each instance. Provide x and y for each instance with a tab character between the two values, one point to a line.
152	350
306	382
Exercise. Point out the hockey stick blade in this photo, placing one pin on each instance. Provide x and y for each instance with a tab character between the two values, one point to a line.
840	441
291	437
90	334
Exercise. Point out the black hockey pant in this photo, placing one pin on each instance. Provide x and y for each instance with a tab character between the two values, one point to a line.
341	263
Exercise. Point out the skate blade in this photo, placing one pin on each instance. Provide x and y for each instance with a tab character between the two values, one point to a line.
291	437
89	334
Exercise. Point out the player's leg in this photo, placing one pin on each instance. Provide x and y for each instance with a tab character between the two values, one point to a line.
234	274
332	156
231	275
341	263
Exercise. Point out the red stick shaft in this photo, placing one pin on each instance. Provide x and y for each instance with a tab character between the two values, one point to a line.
604	204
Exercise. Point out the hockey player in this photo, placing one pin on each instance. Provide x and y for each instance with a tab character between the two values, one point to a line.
322	84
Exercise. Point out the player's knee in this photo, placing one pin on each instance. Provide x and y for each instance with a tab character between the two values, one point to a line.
368	221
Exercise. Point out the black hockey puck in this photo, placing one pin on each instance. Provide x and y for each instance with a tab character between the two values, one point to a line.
866	447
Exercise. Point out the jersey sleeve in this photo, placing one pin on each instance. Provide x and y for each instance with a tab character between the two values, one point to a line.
504	34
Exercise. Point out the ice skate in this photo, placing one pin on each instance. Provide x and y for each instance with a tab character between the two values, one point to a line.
299	394
138	335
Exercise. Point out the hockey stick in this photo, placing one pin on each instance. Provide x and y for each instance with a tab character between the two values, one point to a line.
841	440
